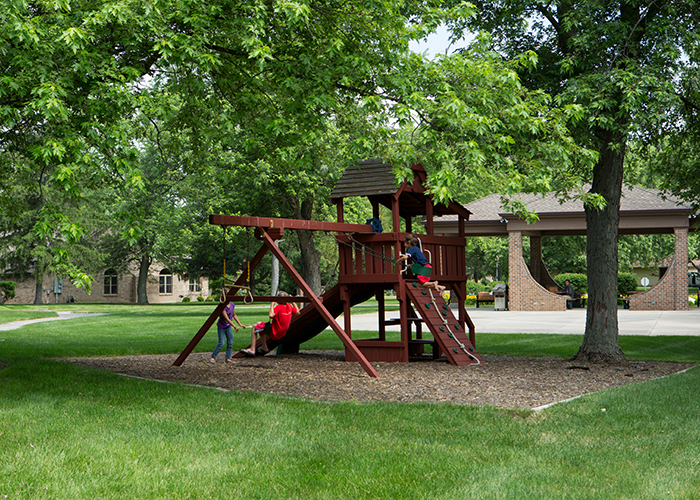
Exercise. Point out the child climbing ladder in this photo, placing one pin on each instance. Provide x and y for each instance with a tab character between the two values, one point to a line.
421	267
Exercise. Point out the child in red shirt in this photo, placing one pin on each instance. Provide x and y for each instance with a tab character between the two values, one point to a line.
280	317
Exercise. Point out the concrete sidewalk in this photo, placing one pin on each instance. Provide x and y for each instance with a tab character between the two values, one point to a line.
571	322
13	325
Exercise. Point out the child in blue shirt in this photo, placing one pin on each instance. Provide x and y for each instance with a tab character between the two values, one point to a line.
421	267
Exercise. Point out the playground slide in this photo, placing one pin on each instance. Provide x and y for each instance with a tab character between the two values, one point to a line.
309	322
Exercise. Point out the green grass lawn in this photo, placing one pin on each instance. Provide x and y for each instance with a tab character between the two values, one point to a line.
69	431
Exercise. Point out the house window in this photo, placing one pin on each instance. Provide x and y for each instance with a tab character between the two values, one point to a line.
165	281
110	281
194	285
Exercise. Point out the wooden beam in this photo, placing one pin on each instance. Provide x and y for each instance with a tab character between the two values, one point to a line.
318	304
267	222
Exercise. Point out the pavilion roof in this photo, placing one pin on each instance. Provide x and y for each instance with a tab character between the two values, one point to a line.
642	211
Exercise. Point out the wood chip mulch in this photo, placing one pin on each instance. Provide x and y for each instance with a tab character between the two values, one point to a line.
510	382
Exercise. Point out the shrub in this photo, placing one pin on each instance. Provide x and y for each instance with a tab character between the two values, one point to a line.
473	287
626	283
7	291
210	299
578	281
186	299
200	298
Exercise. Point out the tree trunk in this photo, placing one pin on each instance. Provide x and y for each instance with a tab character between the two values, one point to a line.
275	273
142	291
39	288
310	256
310	260
600	340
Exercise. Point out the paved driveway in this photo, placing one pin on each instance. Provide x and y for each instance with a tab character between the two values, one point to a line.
571	322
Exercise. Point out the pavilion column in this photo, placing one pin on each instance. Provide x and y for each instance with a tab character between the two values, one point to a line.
536	258
516	273
680	270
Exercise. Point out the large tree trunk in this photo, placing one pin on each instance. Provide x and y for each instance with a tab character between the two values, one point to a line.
141	290
600	340
310	256
310	260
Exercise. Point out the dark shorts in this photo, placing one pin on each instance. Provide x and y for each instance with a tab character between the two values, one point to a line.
266	329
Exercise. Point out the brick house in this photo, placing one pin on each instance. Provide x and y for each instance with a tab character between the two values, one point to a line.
113	287
642	211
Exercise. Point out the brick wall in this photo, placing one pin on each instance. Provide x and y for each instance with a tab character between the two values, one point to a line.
525	294
671	292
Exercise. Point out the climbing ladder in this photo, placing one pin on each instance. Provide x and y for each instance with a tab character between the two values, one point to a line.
446	330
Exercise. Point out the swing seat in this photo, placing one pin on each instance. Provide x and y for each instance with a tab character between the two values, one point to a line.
419	270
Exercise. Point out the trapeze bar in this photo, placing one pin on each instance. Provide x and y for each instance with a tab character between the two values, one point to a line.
265	222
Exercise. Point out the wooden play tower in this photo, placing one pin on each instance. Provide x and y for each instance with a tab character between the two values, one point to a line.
367	269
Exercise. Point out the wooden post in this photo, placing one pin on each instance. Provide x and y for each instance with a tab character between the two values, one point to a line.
382	314
429	228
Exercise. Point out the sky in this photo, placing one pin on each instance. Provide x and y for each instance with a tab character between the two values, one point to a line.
437	43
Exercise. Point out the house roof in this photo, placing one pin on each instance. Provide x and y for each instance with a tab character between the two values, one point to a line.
642	211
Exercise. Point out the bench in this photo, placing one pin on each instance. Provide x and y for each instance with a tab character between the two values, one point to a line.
483	297
576	301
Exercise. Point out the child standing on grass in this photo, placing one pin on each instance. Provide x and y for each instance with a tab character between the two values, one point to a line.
224	327
421	267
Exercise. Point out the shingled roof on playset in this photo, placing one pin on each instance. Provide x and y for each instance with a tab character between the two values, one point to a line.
375	179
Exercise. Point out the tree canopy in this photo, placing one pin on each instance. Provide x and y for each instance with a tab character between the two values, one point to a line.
273	92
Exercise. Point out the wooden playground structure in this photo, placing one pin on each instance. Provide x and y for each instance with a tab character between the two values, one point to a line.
366	270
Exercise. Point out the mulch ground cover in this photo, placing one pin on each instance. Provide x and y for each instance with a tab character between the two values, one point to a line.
510	382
